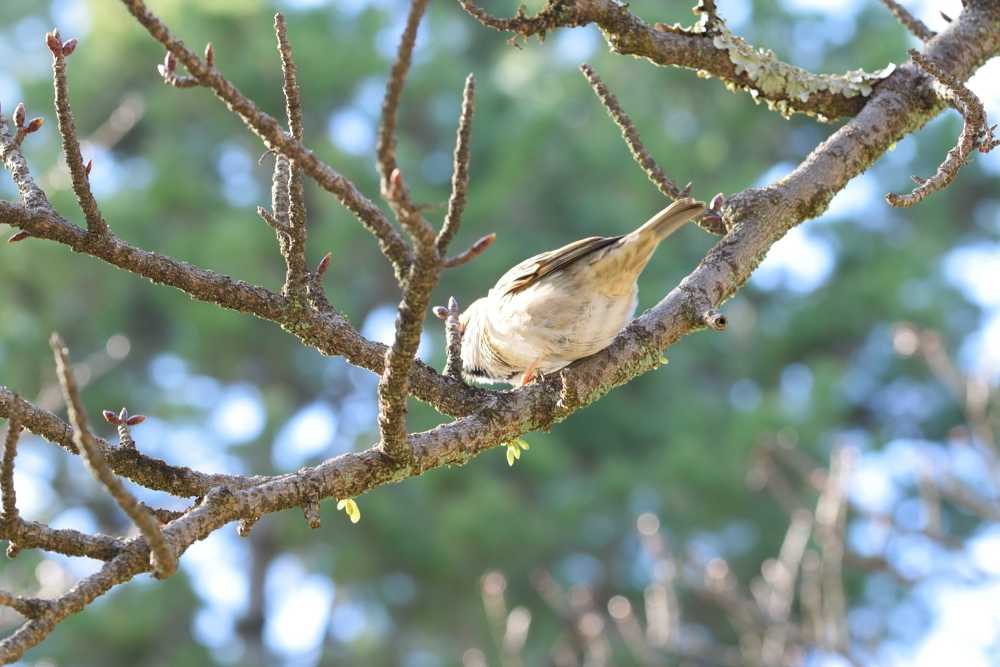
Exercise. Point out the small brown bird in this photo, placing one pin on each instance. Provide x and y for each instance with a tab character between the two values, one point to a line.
562	305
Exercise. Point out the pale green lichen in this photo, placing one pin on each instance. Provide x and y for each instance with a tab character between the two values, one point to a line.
781	84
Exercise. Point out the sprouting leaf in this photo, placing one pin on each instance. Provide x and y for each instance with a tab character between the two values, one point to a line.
350	508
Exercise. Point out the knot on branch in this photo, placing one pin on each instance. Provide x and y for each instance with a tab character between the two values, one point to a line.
313	493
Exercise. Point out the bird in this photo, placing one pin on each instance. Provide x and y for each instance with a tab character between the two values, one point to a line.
566	304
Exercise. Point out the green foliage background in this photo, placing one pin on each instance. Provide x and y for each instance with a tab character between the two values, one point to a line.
548	167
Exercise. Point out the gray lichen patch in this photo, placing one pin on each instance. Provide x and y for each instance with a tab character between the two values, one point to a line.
782	85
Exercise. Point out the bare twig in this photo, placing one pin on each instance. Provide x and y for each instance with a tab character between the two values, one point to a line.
710	49
473	251
295	248
78	170
164	561
831	516
654	173
460	168
9	515
909	21
394	190
27	607
976	134
453	337
34	535
269	131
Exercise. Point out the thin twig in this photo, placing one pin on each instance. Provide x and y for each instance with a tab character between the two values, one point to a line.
460	168
78	170
394	385
654	173
976	134
7	471
909	21
164	561
295	250
275	138
394	190
470	253
453	337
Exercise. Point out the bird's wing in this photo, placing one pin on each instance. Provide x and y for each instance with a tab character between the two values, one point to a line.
533	269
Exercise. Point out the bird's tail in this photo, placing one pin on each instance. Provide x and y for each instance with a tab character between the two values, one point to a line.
670	219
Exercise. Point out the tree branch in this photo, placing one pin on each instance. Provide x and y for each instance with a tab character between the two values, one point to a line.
709	221
460	171
294	250
909	21
453	337
975	134
9	515
269	131
79	171
393	189
759	217
710	48
164	561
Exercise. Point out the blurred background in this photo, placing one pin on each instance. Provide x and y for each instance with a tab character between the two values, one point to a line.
658	526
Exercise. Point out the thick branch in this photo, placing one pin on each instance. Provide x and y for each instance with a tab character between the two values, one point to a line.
164	561
975	134
708	48
394	385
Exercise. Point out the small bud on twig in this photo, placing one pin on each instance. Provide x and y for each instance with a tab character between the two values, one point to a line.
34	125
69	46
54	43
90	165
19	113
110	417
440	312
18	236
135	420
209	55
324	264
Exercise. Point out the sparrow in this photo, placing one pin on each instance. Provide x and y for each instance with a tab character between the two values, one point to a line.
562	305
